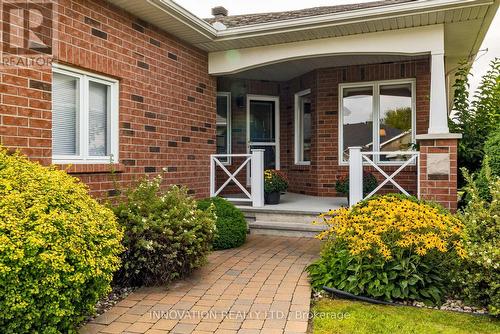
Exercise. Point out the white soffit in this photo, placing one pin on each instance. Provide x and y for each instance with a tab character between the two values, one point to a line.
169	16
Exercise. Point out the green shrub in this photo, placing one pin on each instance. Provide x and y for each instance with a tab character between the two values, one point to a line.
492	150
369	184
166	236
492	163
477	116
58	248
389	247
479	275
231	224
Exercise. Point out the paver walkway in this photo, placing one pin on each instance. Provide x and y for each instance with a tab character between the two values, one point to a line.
260	287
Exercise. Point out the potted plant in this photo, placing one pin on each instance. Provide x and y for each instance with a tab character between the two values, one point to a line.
369	184
274	183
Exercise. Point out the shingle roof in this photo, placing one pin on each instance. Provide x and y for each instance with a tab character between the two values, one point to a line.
248	19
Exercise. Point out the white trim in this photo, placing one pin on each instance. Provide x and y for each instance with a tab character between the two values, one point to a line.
203	33
85	78
424	40
228	127
346	17
276	143
375	85
430	136
298	148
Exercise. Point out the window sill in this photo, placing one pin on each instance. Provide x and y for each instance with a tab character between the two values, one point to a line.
300	167
91	168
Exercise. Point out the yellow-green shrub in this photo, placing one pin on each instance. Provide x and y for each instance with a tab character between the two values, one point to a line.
389	247
58	248
478	277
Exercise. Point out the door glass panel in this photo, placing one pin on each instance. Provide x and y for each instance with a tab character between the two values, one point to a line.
395	120
269	156
357	104
262	121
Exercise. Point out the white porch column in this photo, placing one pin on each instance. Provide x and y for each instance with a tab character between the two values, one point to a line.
212	176
438	113
257	178
355	175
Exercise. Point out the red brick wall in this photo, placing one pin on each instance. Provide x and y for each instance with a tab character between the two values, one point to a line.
439	188
163	85
303	179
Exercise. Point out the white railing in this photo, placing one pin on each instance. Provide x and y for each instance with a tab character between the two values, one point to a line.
256	162
356	158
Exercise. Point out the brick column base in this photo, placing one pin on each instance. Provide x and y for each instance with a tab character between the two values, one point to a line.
438	168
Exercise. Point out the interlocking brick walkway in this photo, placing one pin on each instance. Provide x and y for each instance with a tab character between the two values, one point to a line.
260	287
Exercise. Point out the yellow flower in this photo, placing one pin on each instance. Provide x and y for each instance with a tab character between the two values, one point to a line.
384	224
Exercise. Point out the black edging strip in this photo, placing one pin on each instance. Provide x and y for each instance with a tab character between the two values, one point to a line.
347	295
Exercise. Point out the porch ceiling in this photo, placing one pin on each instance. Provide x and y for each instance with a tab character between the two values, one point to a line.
285	71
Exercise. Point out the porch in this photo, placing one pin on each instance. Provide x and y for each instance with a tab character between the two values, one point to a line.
305	125
293	203
304	105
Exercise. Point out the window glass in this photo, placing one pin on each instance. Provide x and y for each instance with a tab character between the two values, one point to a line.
222	107
84	117
223	140
395	119
357	119
98	119
304	129
65	114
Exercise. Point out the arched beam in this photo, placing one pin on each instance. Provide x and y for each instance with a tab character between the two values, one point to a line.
428	39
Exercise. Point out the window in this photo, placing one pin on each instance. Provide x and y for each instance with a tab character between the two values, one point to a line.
84	117
224	125
303	127
377	116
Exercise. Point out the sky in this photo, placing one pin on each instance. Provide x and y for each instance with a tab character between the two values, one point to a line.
202	8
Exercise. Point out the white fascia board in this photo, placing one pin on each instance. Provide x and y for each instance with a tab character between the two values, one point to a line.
411	41
185	16
359	15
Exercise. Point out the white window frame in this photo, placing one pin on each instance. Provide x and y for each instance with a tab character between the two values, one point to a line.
228	126
83	131
298	134
376	116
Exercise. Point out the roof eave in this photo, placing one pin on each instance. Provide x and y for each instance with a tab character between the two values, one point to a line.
348	17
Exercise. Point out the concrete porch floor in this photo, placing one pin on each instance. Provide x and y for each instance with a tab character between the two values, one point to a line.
299	203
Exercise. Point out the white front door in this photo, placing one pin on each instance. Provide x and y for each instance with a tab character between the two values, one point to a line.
263	128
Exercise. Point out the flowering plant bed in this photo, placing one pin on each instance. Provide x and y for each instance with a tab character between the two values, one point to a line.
390	248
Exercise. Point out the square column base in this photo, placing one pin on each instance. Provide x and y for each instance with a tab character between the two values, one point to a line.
438	168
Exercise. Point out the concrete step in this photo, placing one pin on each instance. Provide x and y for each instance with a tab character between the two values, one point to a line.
286	217
285	229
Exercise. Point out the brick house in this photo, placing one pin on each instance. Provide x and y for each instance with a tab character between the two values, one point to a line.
145	87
